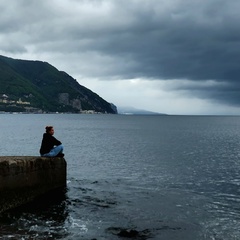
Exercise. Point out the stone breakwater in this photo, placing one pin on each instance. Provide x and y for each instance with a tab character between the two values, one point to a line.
25	178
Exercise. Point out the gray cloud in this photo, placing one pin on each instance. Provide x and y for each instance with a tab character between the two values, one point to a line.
160	39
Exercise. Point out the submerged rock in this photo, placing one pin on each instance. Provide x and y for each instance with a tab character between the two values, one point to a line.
130	233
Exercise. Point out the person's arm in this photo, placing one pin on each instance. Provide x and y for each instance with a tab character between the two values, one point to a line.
55	141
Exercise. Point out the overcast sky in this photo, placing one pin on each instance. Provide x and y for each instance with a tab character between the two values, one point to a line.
167	56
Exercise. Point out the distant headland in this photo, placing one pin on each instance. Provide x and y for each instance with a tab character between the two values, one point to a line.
38	87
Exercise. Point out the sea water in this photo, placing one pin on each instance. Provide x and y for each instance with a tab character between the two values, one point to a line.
155	177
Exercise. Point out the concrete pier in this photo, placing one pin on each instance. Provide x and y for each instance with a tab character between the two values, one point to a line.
25	178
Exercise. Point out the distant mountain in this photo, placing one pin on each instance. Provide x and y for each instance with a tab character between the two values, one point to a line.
134	111
35	86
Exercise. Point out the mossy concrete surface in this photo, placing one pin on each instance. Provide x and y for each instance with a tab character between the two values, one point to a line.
25	178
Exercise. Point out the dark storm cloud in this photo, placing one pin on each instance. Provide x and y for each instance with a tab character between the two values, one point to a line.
195	40
188	43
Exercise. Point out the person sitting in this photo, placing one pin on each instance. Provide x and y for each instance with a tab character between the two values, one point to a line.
50	146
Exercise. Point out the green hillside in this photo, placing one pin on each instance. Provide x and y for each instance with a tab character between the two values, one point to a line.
36	86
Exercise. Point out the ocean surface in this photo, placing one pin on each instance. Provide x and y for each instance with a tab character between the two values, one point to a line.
139	177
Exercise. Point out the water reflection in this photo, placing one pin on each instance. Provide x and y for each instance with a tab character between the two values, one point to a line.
43	218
